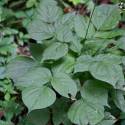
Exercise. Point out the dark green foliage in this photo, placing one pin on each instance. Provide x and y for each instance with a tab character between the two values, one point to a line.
73	72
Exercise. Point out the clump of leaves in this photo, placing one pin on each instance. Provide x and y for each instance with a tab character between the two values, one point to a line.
12	35
76	71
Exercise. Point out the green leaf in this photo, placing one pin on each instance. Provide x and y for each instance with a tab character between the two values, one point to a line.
94	92
109	73
19	66
5	123
76	45
109	34
48	2
66	65
25	72
38	98
39	117
96	46
83	63
108	120
81	27
66	20
109	58
82	113
43	25
31	3
64	85
39	30
121	43
106	17
64	34
36	50
64	28
79	1
103	67
2	72
55	51
49	13
118	98
37	77
59	110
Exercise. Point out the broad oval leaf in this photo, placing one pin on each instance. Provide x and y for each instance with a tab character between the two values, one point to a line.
43	25
106	17
93	91
39	30
36	76
38	98
55	51
19	66
82	113
64	85
25	72
109	73
49	13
